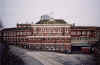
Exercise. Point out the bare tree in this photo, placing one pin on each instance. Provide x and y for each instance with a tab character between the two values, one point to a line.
1	24
3	48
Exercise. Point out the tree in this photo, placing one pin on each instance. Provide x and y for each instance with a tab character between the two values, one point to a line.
3	48
1	24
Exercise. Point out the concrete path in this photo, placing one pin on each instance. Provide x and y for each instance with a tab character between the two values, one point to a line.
51	58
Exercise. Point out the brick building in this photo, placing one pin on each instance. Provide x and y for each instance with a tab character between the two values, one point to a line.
9	35
52	34
84	37
45	36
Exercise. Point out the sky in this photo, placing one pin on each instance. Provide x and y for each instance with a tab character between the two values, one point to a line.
80	12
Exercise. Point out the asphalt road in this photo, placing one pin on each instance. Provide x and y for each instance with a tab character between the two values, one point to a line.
51	58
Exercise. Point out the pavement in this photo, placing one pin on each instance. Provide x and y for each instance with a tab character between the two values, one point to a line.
51	58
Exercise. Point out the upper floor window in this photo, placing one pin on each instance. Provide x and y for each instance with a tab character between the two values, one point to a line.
73	33
88	33
78	33
83	33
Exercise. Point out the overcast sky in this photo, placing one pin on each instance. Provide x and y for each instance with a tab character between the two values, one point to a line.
81	12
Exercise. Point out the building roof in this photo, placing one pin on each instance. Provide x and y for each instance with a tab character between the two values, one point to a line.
9	29
1	29
55	21
86	27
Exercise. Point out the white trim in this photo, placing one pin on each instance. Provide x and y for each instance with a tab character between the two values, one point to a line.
79	42
46	36
50	32
50	26
43	25
52	43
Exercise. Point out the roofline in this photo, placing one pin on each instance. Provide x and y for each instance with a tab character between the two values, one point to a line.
86	26
6	29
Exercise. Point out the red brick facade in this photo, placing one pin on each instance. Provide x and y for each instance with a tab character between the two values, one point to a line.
57	37
45	35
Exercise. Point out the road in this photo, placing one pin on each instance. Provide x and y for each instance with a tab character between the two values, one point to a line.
51	58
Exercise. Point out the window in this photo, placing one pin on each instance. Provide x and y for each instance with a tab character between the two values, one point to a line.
78	33
83	33
78	38
67	30
86	38
73	33
21	33
35	29
88	33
